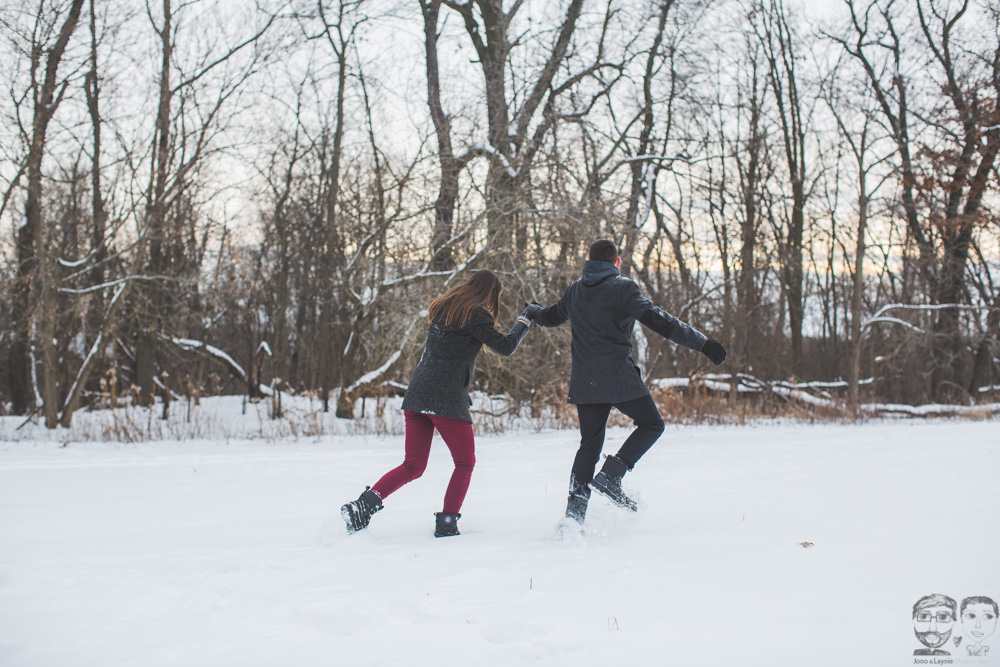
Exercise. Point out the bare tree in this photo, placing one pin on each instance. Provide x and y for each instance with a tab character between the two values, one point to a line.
781	48
185	128
645	164
976	107
50	36
339	31
856	131
282	229
935	202
749	152
513	138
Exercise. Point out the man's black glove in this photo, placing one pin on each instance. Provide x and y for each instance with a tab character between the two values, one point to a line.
531	310
714	351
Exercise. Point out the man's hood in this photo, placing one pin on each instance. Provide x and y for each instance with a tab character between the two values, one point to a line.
596	272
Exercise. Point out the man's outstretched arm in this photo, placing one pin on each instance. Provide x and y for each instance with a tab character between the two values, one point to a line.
673	329
554	315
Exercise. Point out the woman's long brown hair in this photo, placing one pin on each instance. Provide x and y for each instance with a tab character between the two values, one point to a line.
481	290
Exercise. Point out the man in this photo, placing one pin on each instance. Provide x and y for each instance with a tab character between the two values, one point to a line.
933	620
602	308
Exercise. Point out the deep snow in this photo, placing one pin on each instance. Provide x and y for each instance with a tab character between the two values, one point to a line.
232	552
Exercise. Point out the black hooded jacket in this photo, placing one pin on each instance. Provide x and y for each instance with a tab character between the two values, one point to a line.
602	308
440	382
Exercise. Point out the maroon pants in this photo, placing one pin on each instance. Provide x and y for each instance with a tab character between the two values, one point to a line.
457	434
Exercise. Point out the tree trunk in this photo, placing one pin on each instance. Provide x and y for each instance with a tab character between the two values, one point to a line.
32	246
152	296
98	244
332	249
793	275
444	207
19	363
750	177
857	295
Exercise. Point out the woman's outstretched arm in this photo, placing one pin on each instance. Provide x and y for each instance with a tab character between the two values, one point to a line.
496	341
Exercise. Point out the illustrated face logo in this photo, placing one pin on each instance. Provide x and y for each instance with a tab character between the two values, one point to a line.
979	620
935	617
933	625
933	620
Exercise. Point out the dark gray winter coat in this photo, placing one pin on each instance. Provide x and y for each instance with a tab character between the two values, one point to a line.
602	308
440	382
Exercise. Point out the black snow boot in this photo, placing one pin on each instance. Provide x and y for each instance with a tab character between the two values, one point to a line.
446	525
609	482
576	505
358	513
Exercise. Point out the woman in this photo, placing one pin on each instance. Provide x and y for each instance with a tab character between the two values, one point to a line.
462	320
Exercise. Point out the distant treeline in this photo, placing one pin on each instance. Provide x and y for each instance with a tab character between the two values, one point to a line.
220	197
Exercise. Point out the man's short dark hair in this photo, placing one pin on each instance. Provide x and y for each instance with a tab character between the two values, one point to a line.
979	599
603	250
936	600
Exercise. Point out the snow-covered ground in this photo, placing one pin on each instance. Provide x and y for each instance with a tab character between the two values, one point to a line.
232	552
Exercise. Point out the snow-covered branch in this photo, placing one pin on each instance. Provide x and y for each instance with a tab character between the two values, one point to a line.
891	320
102	286
879	314
201	346
425	271
413	277
371	376
480	148
422	273
73	264
656	158
374	375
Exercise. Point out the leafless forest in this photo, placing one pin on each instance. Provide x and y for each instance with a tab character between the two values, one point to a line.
262	196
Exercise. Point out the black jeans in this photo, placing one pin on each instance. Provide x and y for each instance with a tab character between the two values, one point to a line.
594	422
